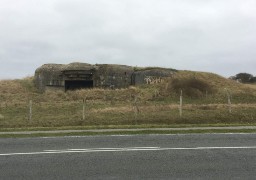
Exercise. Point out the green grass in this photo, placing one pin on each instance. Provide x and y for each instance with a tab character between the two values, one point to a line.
142	126
70	114
142	132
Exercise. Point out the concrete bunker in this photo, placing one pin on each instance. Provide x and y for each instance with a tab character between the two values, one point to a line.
82	75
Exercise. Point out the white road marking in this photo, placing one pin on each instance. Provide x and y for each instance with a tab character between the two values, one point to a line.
122	150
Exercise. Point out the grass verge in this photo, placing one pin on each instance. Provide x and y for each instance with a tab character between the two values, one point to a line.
142	132
142	126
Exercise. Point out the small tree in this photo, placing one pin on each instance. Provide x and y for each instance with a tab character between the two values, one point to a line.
244	77
253	80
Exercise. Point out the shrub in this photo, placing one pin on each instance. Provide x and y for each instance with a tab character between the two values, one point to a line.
191	87
253	80
244	77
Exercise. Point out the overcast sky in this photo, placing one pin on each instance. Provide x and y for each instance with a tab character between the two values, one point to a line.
217	36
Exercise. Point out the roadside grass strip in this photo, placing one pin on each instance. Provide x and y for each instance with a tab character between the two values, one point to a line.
124	132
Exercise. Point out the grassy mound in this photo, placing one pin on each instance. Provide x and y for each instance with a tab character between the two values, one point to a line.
205	102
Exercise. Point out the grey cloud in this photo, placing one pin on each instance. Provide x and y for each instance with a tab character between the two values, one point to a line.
198	35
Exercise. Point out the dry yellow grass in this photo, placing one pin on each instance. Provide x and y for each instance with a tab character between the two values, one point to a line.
157	104
214	80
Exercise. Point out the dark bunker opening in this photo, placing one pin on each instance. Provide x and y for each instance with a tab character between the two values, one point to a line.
78	84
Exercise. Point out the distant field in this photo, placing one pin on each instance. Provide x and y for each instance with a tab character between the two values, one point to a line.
204	102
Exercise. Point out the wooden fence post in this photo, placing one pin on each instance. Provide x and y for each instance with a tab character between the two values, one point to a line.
84	101
30	111
136	109
229	102
180	103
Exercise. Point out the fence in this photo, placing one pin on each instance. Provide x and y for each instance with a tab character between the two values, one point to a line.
84	112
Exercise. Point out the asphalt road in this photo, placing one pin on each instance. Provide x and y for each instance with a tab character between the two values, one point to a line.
190	156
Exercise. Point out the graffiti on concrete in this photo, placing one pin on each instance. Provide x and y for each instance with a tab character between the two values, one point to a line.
153	80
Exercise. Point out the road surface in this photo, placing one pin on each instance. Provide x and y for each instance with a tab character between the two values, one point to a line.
183	156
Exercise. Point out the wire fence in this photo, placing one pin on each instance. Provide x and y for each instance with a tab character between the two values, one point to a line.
83	112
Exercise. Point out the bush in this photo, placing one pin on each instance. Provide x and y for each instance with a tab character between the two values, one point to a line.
244	77
253	80
191	87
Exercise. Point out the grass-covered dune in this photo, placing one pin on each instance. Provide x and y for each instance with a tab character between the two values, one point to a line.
204	102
